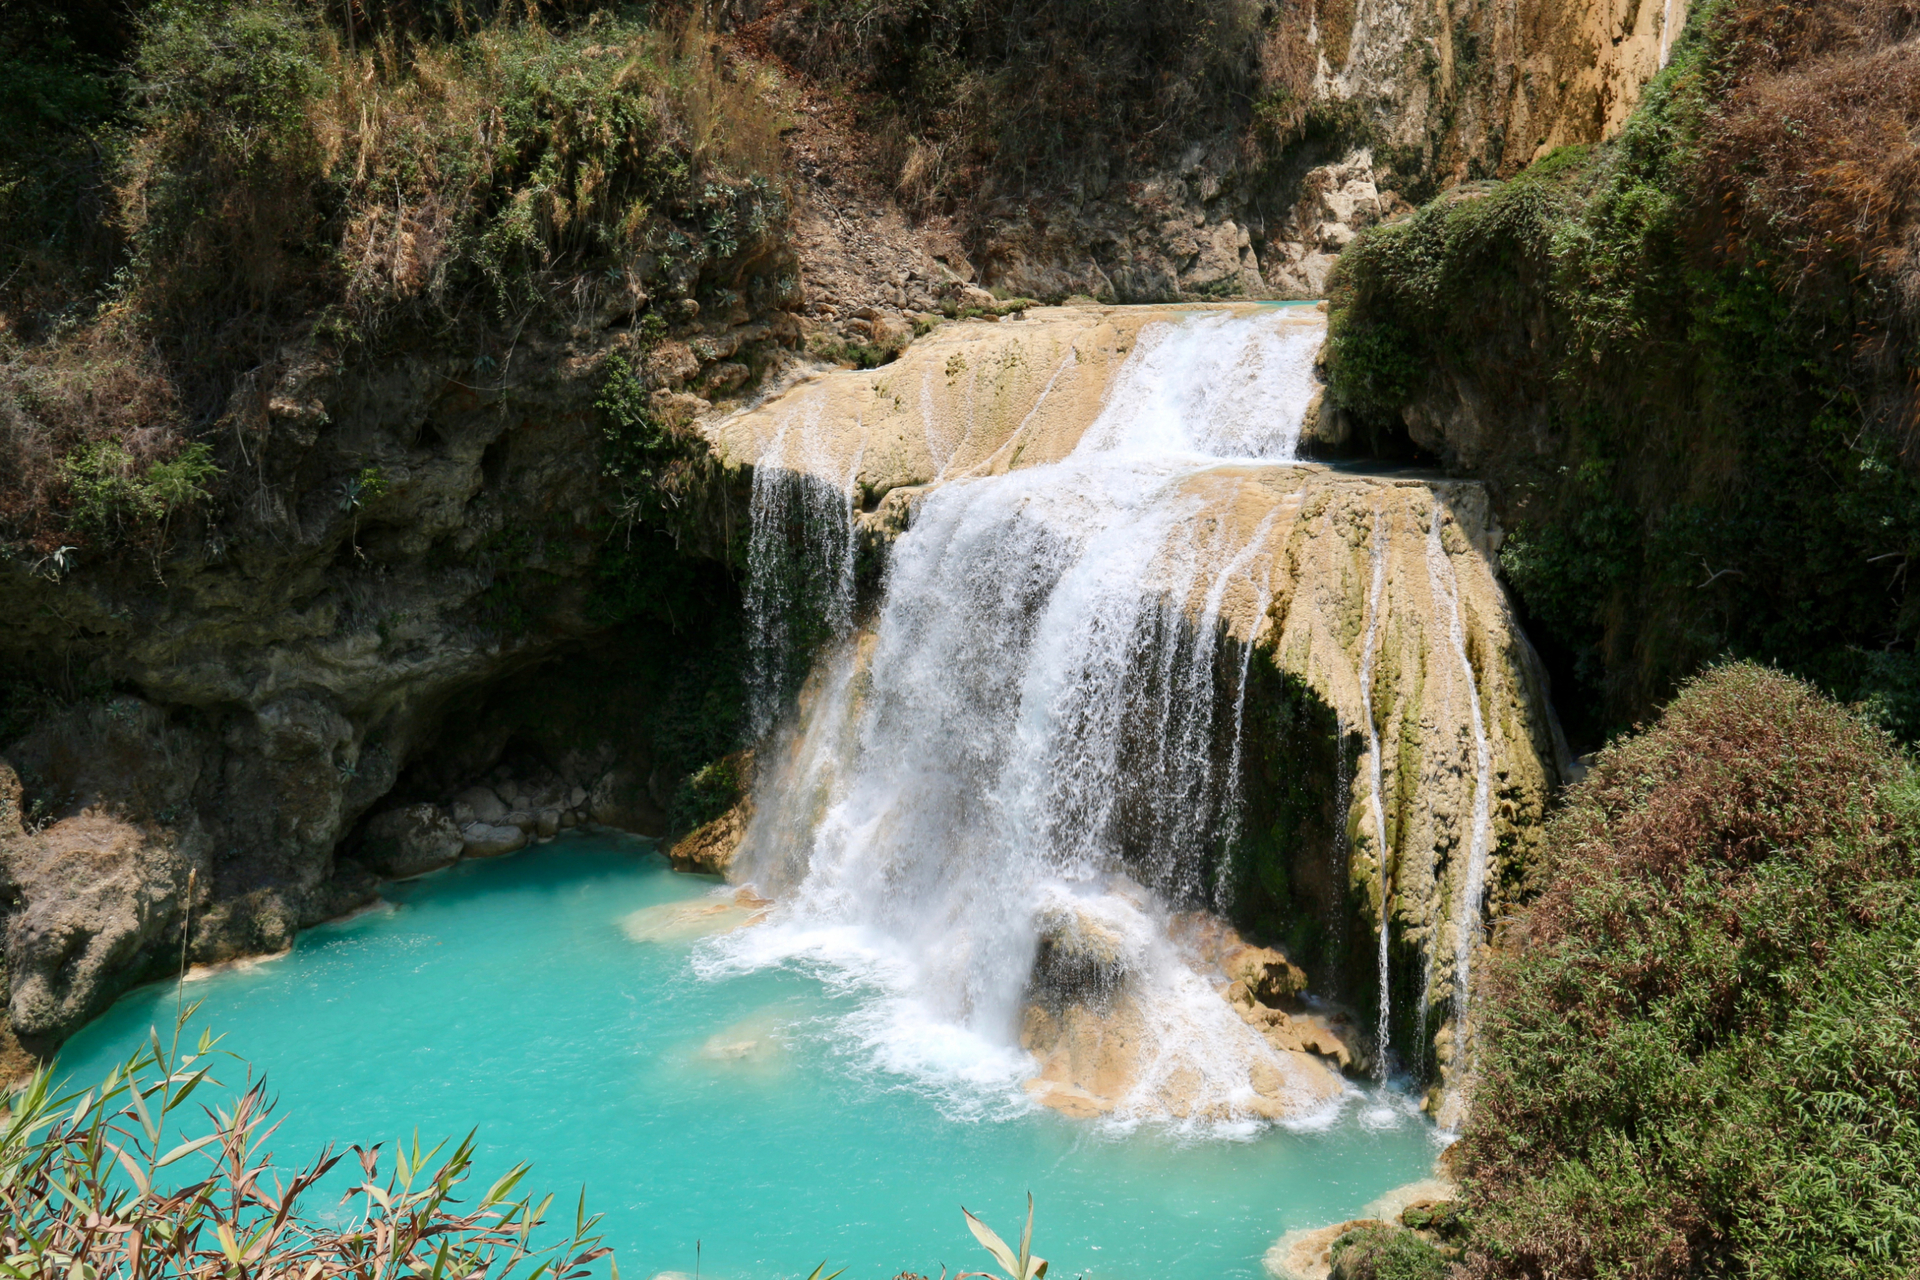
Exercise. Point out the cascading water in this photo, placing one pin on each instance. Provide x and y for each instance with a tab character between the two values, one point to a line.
1466	927
1032	731
800	557
1377	553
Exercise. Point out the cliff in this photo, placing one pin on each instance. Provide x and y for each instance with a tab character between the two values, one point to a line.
1678	361
1149	152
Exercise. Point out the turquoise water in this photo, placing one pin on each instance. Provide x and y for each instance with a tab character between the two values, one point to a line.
736	1111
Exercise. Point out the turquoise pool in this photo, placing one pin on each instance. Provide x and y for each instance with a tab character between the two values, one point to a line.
741	1111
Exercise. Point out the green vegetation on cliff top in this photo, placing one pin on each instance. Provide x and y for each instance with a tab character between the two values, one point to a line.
1681	359
240	176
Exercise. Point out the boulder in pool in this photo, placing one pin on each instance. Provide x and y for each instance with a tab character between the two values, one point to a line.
410	841
484	840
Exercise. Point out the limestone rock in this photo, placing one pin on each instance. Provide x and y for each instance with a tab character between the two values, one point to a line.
118	892
410	841
710	849
620	798
1336	202
1308	1254
677	922
1093	1061
484	840
1083	957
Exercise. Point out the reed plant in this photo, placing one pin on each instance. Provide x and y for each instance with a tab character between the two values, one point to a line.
146	1176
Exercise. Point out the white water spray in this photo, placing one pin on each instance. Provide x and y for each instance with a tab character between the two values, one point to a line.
1036	723
800	555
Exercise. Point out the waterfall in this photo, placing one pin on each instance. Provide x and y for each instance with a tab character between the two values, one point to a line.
800	558
1473	879
1377	552
1033	736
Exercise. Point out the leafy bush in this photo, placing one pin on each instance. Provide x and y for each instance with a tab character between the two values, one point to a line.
115	1181
1701	1047
108	494
1383	1253
707	793
218	184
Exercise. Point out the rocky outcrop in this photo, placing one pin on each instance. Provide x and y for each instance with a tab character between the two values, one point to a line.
1086	1020
709	849
1384	649
410	841
1160	241
1399	98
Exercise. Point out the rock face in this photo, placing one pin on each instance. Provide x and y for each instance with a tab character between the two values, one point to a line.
709	849
1086	1029
410	538
1429	98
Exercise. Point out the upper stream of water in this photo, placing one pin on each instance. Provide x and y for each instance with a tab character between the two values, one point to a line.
743	1110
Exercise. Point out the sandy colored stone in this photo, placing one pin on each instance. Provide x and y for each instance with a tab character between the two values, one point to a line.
1307	1254
672	922
710	849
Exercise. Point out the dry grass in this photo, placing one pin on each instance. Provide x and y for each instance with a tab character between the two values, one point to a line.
1812	154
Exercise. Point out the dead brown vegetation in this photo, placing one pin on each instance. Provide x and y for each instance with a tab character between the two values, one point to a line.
1811	152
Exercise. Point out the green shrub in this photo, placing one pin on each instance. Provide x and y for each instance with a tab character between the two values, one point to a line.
466	175
110	496
1700	1052
707	793
1384	1253
219	179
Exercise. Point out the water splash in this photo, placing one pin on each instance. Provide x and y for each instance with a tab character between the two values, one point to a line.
1037	718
